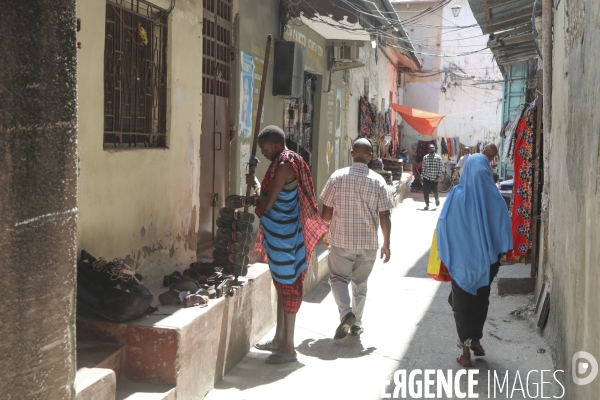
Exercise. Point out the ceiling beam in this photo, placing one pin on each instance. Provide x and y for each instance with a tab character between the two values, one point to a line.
515	20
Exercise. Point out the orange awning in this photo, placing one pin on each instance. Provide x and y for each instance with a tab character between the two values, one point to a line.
423	122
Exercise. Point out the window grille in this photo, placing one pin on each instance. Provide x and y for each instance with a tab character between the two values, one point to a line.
216	47
135	74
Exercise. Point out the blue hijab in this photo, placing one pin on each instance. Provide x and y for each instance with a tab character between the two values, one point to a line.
474	226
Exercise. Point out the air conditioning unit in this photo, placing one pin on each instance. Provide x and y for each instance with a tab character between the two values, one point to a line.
345	52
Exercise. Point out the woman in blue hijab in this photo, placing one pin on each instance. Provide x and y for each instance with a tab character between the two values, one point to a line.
473	231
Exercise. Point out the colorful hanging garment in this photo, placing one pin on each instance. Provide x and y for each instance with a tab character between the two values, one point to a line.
365	118
522	189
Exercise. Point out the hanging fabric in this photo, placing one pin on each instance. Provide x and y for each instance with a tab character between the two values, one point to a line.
365	118
522	187
424	122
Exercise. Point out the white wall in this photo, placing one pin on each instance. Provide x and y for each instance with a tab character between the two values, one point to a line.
474	111
383	79
141	205
444	84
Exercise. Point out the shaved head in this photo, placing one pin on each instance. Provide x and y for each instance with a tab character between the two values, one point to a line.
362	150
490	151
362	146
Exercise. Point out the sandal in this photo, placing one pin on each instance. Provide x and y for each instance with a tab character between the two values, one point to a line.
280	358
477	350
464	364
222	243
237	201
234	236
243	227
171	279
236	215
231	258
267	345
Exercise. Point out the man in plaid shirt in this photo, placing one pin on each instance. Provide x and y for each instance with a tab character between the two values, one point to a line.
356	200
432	170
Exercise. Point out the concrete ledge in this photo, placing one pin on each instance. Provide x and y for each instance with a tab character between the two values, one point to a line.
190	348
95	384
515	279
317	270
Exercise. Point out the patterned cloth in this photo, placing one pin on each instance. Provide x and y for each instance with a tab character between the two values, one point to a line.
523	165
357	196
291	294
432	167
283	238
313	225
366	118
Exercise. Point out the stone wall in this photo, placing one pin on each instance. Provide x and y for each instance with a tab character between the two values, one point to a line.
573	172
38	198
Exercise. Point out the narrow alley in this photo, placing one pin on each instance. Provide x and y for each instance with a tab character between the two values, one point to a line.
149	239
408	325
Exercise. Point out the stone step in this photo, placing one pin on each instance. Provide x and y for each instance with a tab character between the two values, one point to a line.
95	384
128	390
515	279
100	355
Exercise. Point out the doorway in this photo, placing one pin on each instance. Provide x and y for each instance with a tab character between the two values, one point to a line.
214	141
300	119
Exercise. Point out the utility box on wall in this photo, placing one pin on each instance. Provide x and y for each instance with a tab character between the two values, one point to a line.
288	69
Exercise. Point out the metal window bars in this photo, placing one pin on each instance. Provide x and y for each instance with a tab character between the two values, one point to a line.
135	74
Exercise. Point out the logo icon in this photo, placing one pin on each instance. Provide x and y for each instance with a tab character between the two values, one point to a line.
581	364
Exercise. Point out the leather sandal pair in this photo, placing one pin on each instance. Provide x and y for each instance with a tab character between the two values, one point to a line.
230	258
234	236
242	227
184	284
225	244
237	201
171	279
237	215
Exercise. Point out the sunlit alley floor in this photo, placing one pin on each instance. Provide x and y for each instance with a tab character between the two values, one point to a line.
408	325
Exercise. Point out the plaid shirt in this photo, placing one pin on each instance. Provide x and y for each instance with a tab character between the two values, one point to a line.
357	196
313	226
432	167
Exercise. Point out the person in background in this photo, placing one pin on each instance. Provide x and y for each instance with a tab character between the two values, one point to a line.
356	201
432	170
290	228
462	161
486	239
403	156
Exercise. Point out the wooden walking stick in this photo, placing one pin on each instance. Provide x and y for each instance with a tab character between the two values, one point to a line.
253	160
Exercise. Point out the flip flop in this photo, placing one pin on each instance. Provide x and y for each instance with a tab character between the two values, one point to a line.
283	358
236	215
464	364
478	350
222	243
267	345
243	227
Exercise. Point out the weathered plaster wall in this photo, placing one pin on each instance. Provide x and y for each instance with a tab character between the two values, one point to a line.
251	39
38	199
444	84
474	112
142	204
421	92
573	247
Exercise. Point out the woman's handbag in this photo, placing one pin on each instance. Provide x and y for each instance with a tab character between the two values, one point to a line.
436	268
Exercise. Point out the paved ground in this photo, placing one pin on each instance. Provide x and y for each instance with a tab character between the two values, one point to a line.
408	325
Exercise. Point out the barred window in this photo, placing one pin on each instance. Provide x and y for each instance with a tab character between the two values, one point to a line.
135	74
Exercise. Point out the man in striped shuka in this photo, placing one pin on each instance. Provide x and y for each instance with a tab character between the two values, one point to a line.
290	228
